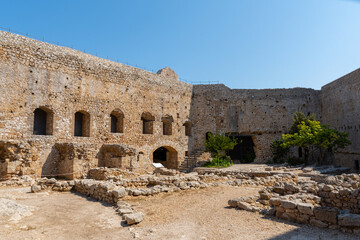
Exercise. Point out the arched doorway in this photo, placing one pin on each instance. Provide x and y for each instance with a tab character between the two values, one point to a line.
167	156
243	152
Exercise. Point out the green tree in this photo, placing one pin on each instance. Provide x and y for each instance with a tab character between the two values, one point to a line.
298	118
311	135
279	153
218	145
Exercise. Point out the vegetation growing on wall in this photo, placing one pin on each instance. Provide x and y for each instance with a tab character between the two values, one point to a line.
218	145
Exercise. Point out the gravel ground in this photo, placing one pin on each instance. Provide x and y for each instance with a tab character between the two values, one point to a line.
193	214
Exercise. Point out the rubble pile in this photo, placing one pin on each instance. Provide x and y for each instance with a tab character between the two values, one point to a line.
331	202
23	181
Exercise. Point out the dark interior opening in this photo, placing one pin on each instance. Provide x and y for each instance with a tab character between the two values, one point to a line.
207	135
114	123
40	118
165	129
300	152
147	120
243	152
187	128
145	124
357	165
159	154
78	124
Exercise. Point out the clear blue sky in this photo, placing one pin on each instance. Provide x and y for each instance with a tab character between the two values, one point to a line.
241	43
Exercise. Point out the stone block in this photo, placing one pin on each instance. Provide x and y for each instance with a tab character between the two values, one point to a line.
122	204
35	188
245	206
326	214
289	216
265	195
233	202
119	193
275	201
328	188
292	188
318	223
125	210
305	208
303	218
349	220
134	218
288	204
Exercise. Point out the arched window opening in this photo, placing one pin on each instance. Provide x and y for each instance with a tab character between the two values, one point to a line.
167	156
117	121
167	125
207	135
43	121
82	124
188	129
147	123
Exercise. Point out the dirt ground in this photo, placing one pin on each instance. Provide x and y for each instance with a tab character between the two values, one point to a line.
192	214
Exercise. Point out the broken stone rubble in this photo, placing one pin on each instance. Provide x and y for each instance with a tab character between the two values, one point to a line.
331	202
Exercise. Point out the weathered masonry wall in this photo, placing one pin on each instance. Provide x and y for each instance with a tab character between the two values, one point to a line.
262	114
63	112
62	82
340	103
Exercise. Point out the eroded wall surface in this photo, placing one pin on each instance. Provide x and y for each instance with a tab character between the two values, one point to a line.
35	74
63	81
340	103
263	114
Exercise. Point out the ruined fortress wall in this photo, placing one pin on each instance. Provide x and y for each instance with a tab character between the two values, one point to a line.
340	103
262	114
35	74
63	81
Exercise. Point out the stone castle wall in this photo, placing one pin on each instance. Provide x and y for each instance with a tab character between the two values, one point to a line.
340	103
61	81
262	114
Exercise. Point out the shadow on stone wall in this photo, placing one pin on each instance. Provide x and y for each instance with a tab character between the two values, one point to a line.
49	168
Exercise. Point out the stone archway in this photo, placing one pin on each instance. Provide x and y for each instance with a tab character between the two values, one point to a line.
167	156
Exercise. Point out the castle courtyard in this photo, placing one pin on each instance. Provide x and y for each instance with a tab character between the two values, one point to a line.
194	214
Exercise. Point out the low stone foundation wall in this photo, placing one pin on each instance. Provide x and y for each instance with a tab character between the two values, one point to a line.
52	184
23	181
103	173
100	190
332	202
147	185
250	177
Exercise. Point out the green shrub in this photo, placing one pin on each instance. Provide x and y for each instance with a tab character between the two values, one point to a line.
219	162
218	145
